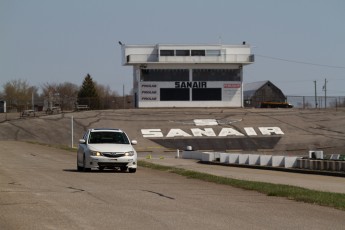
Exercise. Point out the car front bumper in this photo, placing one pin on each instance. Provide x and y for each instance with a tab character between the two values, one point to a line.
100	161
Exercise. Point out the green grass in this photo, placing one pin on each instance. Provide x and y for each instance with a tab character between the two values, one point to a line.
329	199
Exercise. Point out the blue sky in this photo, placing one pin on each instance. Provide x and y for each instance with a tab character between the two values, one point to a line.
58	41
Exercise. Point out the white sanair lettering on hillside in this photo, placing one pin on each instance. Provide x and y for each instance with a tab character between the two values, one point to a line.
209	132
177	133
250	131
152	133
205	122
271	130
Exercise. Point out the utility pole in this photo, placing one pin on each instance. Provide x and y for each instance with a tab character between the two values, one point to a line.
32	101
315	95
325	89
123	96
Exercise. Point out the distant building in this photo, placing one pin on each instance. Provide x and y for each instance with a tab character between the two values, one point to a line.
187	75
260	92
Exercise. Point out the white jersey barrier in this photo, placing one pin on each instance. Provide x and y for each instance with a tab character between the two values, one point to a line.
243	159
267	160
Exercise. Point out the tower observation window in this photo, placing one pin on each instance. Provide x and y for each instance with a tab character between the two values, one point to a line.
198	52
167	52
216	74
182	52
164	75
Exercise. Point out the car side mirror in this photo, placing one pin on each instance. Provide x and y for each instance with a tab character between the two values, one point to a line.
82	141
134	142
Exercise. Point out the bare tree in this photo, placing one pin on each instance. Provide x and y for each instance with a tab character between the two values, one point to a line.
18	94
107	96
63	95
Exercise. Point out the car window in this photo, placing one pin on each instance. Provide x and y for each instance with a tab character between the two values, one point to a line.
108	138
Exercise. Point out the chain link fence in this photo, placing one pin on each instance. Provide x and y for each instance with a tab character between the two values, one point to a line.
307	102
10	111
15	111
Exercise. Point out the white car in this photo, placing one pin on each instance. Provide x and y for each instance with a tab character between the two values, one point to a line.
106	148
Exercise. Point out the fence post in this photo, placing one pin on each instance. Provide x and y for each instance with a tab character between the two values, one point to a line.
303	102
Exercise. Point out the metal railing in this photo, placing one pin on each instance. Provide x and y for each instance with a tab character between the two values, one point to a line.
229	58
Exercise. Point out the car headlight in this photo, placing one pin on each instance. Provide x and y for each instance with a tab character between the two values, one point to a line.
130	153
96	153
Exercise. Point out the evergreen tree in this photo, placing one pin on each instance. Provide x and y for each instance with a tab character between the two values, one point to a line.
88	94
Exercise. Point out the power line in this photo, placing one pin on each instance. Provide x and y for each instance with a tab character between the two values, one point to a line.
300	62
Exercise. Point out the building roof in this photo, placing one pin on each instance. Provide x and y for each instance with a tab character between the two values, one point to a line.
249	89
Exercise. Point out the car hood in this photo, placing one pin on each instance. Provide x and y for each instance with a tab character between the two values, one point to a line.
111	147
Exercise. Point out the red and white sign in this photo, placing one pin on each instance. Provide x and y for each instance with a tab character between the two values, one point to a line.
232	86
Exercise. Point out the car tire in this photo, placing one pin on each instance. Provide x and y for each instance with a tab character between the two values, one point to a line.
84	168
79	168
132	170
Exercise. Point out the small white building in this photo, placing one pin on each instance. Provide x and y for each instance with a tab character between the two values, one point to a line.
187	75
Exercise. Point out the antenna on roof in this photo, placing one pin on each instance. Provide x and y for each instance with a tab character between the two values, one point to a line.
220	40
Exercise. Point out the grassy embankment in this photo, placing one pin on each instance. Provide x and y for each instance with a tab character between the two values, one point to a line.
335	200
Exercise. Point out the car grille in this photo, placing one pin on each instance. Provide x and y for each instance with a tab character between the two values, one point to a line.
112	164
113	155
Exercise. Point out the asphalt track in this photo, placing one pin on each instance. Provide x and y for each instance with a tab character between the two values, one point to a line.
41	189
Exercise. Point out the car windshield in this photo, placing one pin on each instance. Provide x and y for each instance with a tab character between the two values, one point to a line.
108	138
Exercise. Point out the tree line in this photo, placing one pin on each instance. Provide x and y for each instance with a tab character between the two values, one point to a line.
19	96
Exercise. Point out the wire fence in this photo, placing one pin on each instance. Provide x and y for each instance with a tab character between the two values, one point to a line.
12	110
15	111
307	102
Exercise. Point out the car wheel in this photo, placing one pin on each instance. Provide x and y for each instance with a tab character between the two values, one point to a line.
132	170
84	167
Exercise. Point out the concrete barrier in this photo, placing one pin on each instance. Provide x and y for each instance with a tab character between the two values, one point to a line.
278	161
243	159
188	155
290	162
207	157
216	156
234	158
192	155
254	159
224	158
265	160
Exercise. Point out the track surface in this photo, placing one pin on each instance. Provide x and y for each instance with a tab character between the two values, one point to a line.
304	130
40	189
